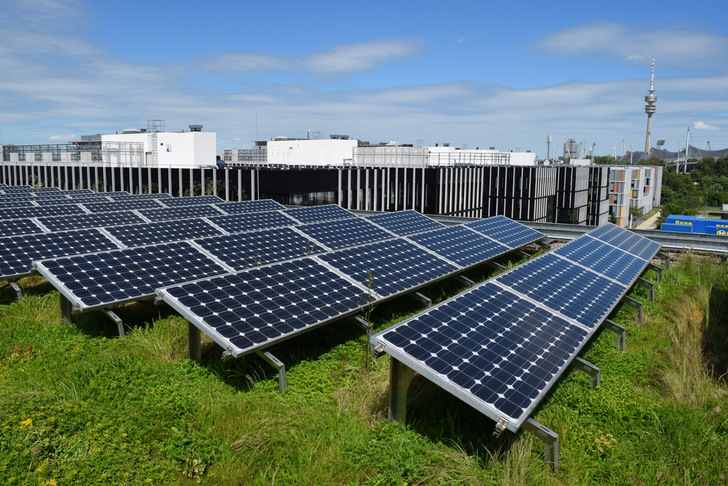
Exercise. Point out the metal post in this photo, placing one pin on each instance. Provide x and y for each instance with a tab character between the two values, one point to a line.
194	342
423	299
400	377
117	320
594	372
620	331
277	364
636	305
66	310
649	286
657	269
550	439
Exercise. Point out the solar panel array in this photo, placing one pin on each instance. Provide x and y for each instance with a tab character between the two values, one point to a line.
501	345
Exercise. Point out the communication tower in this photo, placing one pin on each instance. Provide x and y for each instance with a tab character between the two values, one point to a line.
650	99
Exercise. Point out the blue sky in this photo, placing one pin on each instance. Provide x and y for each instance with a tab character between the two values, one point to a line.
475	74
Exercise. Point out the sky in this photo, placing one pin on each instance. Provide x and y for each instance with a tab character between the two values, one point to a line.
469	73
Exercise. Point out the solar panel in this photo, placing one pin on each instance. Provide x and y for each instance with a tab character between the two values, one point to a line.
26	226
113	277
603	258
121	205
403	223
15	204
125	196
566	288
236	223
395	266
314	214
197	211
74	200
506	231
460	245
489	347
162	231
17	253
78	221
257	307
626	240
249	206
344	233
245	250
190	201
40	211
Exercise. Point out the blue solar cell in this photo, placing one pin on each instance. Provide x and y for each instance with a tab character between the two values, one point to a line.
315	214
573	291
162	231
394	266
190	201
237	207
506	231
79	221
121	205
236	223
17	253
108	278
405	223
196	211
11	227
257	307
125	196
10	203
343	233
245	250
75	200
603	258
40	211
460	245
626	240
500	351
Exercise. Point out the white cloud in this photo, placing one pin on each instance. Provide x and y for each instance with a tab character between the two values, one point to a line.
359	57
698	125
673	47
63	137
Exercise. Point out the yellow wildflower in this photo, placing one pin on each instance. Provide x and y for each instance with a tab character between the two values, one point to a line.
26	423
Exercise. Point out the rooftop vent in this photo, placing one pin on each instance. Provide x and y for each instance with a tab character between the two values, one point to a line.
195	128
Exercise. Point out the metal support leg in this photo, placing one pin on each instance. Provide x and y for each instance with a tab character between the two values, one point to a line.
277	364
594	372
18	290
636	305
544	245
496	265
66	309
464	280
364	325
550	440
400	377
657	270
117	320
620	331
423	299
195	342
524	254
664	258
649	286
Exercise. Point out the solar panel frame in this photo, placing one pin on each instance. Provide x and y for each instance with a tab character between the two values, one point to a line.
236	223
40	211
461	245
181	212
121	205
405	223
163	231
191	201
257	206
80	221
284	287
114	277
506	231
626	240
347	232
315	214
23	226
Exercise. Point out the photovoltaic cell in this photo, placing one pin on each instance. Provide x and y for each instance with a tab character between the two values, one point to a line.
162	231
315	214
249	206
245	250
460	245
128	197
394	266
18	252
506	231
236	223
37	212
79	221
26	226
121	205
190	201
343	233
603	258
197	211
257	307
5	204
495	350
75	200
566	288
108	278
404	223
626	240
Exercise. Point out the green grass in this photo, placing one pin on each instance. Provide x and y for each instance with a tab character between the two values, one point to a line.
79	406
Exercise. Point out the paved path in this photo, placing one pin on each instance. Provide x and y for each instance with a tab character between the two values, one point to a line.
650	222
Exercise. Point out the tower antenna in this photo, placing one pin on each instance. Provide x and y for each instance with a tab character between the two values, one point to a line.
650	99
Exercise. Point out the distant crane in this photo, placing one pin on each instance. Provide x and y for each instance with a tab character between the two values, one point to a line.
614	149
624	149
